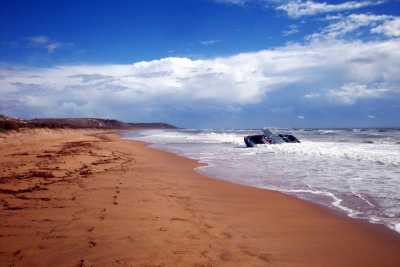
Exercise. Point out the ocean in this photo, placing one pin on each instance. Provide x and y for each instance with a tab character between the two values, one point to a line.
354	171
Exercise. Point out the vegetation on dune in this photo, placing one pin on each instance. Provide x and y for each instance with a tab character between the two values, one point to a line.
9	123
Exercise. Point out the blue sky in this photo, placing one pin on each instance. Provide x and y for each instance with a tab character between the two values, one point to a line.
204	63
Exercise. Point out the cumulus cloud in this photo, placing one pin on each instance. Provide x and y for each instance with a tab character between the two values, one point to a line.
340	72
299	8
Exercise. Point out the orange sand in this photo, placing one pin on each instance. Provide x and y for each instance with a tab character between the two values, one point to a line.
88	198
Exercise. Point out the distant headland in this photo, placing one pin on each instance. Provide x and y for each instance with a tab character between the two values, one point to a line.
11	123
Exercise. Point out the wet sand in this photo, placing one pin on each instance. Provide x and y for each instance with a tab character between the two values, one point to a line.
89	198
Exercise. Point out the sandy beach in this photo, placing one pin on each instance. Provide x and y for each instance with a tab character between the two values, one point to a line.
90	198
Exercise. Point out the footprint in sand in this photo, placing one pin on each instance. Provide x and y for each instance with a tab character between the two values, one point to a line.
18	256
204	253
262	256
179	252
226	235
16	253
92	244
193	237
226	256
102	214
83	264
178	219
208	226
130	239
115	202
200	264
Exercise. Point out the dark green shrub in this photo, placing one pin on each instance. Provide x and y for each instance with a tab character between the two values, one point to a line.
8	125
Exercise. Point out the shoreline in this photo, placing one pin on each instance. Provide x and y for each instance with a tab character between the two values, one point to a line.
339	212
83	198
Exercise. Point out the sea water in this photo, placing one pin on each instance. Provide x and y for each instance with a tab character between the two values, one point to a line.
355	171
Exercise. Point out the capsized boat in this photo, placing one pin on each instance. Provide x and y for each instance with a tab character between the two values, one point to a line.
269	137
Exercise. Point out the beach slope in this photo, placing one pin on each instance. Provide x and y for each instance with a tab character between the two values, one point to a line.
89	198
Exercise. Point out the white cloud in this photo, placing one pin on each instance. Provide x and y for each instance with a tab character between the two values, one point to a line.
44	42
233	2
361	70
300	117
209	42
371	116
389	28
299	8
51	47
340	26
312	95
350	93
292	30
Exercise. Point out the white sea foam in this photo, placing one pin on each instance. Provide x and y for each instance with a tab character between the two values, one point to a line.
327	131
381	154
396	227
187	137
336	201
363	198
